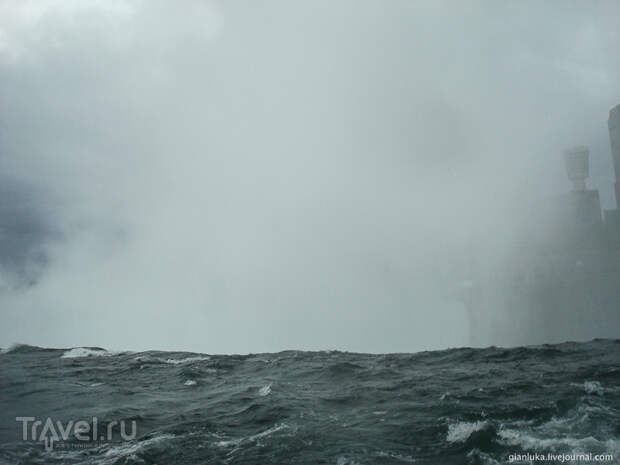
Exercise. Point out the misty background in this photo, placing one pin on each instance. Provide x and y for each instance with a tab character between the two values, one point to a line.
255	176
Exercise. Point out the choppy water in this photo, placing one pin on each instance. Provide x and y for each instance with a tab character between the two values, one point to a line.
461	406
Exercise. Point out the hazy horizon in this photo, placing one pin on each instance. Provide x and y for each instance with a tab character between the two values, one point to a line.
234	177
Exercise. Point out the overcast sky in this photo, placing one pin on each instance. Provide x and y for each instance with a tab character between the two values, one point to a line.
245	176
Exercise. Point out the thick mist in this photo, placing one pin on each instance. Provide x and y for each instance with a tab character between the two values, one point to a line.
256	176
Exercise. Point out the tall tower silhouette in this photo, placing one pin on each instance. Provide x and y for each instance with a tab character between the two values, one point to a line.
614	137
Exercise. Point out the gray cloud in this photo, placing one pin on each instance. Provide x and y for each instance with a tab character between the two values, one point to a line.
242	176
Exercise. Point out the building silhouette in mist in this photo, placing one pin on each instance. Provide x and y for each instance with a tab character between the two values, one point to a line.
612	217
561	281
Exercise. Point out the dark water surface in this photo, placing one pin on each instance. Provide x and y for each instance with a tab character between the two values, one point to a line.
460	406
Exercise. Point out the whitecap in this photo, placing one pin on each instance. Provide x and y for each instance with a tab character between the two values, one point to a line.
190	382
17	346
593	387
265	390
530	442
262	434
342	460
14	346
128	449
460	432
96	384
171	361
182	361
583	413
481	457
395	456
78	352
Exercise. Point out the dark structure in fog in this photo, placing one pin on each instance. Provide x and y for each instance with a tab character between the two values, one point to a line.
560	279
24	230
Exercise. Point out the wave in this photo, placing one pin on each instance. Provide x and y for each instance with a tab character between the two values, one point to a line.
398	457
171	361
183	361
530	441
463	406
79	352
593	387
24	348
254	437
127	452
461	431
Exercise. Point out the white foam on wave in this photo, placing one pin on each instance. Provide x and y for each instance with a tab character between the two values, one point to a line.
8	349
460	432
78	352
182	361
561	434
342	460
253	438
13	347
593	387
478	456
394	455
96	384
111	454
582	414
265	390
530	441
128	450
190	382
173	361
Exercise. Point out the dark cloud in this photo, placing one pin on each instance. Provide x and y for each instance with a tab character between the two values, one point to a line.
25	230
